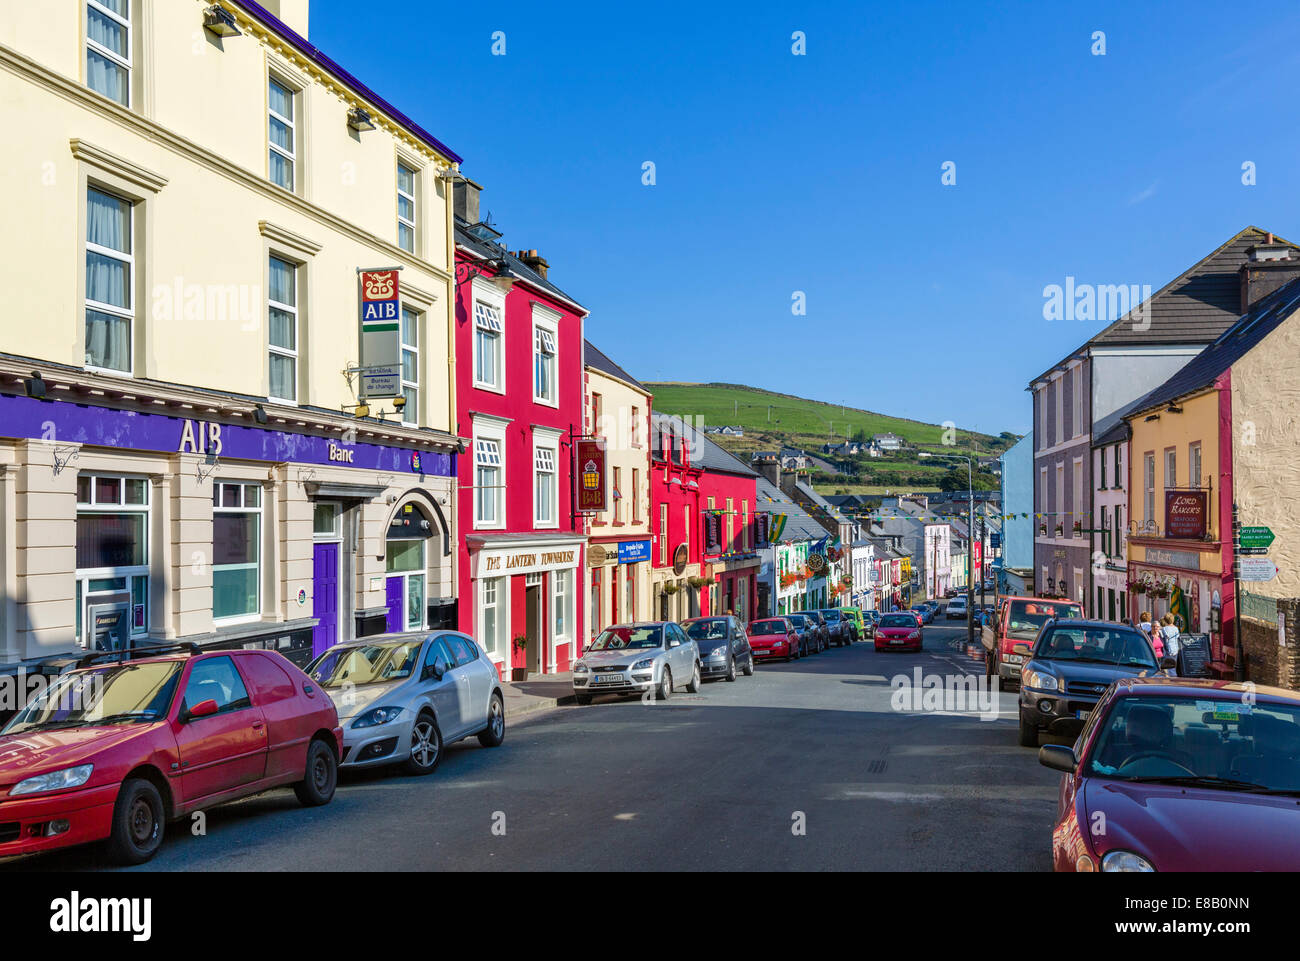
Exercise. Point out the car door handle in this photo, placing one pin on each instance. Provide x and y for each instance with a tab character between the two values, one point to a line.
259	727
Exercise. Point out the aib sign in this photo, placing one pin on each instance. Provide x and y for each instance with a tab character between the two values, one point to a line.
381	346
1186	513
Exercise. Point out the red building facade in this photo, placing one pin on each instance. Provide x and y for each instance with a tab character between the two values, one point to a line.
519	401
705	536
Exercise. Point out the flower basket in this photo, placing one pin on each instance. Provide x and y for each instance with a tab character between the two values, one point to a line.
698	582
670	588
1059	530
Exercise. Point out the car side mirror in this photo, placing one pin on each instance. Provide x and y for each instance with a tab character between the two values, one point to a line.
673	642
202	709
1058	757
433	671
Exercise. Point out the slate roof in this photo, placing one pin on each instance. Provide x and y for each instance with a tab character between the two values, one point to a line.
1194	308
799	524
711	456
491	251
1238	340
593	356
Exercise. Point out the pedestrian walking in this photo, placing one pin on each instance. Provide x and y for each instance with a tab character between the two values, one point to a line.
1169	634
1147	628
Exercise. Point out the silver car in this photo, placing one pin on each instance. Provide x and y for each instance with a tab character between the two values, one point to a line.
402	698
634	658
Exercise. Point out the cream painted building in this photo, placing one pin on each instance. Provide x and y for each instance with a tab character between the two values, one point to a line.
192	192
618	554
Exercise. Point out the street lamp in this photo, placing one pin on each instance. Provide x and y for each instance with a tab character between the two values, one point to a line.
970	544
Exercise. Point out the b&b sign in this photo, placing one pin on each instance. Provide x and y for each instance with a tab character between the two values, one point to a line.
381	344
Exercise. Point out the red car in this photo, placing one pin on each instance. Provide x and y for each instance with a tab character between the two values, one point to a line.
774	637
116	749
899	631
1181	774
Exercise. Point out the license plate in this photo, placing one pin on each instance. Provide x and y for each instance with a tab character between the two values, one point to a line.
1082	715
609	679
895	640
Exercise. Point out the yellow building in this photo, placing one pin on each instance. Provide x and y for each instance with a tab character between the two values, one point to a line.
618	556
192	191
1217	434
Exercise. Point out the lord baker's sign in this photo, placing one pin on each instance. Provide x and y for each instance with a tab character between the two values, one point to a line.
1185	514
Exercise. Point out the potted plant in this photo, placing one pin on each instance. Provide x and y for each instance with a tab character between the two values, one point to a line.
1060	529
519	643
671	588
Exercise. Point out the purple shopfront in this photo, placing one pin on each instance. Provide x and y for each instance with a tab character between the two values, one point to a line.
294	534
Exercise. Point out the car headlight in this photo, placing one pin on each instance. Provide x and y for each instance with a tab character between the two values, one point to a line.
581	668
54	781
718	652
644	665
914	636
1044	682
378	715
1125	861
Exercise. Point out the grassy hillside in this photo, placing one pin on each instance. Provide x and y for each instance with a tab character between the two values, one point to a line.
798	421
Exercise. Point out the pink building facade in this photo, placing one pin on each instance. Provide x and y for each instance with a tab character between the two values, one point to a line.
519	403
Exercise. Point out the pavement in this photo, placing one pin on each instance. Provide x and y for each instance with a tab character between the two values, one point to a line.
808	765
541	692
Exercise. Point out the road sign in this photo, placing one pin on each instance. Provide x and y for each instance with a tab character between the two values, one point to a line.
1254	537
1257	569
381	344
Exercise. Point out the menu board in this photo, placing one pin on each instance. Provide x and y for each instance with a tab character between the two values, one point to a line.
1193	655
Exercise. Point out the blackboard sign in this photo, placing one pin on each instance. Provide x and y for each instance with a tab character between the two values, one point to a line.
1193	655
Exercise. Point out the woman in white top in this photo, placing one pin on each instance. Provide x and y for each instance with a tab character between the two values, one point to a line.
1169	633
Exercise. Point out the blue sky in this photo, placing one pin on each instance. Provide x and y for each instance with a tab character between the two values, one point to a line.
821	173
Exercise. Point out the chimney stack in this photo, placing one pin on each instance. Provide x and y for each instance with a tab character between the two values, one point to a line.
1270	265
534	262
769	466
465	200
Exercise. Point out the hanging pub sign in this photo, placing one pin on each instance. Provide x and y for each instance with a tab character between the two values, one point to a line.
1185	514
381	344
592	473
712	534
762	529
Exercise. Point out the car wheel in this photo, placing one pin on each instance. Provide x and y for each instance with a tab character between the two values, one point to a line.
1028	734
731	670
749	665
665	685
320	778
495	732
426	745
138	822
583	699
694	686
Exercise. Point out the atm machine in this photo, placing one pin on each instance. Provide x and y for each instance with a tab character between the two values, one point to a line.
108	621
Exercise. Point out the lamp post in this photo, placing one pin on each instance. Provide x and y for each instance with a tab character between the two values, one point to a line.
970	544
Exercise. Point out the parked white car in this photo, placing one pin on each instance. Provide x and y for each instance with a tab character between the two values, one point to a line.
633	658
957	608
402	698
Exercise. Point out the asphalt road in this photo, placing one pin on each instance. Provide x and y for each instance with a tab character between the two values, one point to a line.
805	766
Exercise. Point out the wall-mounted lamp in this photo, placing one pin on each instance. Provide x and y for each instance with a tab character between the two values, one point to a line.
35	387
1173	409
361	410
1151	417
359	119
220	22
259	414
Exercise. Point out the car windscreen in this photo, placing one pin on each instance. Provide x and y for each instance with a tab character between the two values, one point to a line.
831	616
898	620
113	694
767	627
1095	645
1214	742
628	639
366	663
798	620
711	629
1027	617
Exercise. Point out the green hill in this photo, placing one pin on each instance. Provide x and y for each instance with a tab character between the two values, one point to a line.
768	412
772	420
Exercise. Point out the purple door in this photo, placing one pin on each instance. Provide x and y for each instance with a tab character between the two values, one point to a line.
325	597
396	600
